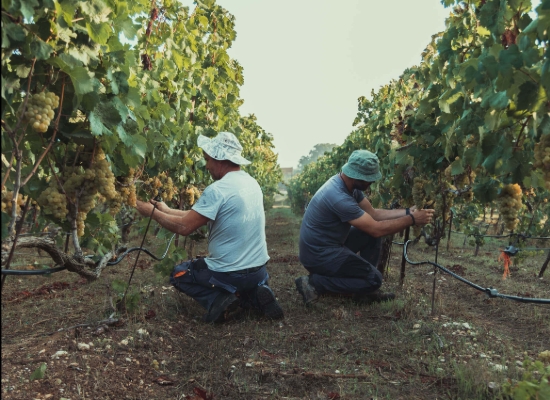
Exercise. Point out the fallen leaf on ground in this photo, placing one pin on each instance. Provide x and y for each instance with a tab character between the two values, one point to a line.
264	353
163	381
200	394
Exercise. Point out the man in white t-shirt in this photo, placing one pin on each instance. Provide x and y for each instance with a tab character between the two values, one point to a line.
234	273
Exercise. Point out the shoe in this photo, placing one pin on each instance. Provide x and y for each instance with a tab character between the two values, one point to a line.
374	297
306	290
268	303
224	304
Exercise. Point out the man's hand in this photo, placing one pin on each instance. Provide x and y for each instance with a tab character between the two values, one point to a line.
423	217
161	206
144	208
412	209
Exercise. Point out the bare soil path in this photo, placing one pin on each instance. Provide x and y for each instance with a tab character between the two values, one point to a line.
334	349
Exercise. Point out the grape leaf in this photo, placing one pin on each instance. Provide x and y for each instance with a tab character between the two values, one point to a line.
12	34
39	49
25	7
80	78
96	125
528	95
39	372
99	32
23	70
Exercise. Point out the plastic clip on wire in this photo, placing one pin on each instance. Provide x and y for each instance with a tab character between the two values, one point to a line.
507	263
506	254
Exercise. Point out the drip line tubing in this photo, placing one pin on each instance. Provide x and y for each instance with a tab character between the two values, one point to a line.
118	260
490	292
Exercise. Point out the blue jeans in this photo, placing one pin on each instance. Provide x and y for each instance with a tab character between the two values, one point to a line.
205	285
358	273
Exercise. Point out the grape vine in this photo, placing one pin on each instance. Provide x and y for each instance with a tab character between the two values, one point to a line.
466	125
87	119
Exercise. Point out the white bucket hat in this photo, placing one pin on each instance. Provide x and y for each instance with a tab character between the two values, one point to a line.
225	146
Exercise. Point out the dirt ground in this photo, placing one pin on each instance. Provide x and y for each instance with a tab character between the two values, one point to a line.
333	350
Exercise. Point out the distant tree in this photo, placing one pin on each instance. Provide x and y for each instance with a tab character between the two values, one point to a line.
317	151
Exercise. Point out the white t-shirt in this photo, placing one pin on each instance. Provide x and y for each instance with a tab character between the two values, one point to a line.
236	241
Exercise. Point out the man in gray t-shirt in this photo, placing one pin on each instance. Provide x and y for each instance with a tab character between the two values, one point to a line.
338	224
234	273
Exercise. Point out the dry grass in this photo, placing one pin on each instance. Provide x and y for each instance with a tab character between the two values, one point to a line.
382	351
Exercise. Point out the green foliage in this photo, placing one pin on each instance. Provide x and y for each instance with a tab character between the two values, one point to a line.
132	297
39	372
318	151
534	383
143	104
476	103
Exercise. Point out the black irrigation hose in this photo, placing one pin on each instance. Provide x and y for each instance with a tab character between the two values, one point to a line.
504	236
119	259
39	272
490	292
484	249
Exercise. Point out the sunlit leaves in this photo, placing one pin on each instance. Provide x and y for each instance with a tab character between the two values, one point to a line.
100	32
474	103
24	8
96	11
136	114
80	77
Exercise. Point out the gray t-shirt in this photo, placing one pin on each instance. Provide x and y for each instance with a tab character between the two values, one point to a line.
325	226
236	241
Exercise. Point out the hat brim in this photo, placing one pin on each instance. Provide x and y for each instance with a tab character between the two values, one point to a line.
206	145
351	173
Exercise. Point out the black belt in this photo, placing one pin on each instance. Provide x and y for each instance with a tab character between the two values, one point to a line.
247	270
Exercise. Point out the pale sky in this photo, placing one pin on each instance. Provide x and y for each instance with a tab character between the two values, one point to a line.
307	61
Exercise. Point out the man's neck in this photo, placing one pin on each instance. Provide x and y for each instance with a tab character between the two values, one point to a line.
347	181
228	170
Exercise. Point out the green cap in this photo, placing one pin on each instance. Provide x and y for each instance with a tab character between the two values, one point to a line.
362	165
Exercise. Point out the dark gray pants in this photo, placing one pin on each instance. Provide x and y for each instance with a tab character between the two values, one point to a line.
358	273
204	285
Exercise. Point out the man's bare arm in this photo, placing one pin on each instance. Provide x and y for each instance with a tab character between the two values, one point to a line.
181	225
170	211
381	215
389	227
176	224
177	213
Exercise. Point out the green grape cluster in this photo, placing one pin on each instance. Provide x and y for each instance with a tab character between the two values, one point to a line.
164	184
462	181
542	158
114	204
80	225
449	201
128	192
81	181
104	178
509	204
419	198
191	195
53	202
7	197
39	112
91	186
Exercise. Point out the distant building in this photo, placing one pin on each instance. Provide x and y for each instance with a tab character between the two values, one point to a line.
288	173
